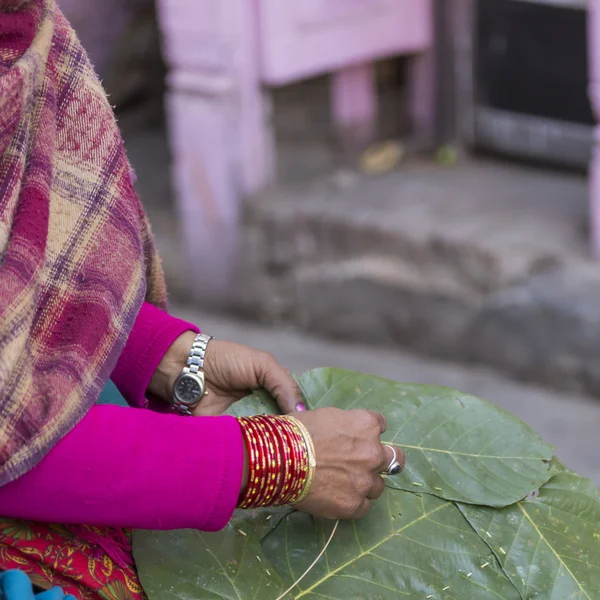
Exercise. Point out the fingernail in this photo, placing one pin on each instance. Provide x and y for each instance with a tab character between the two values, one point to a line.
300	408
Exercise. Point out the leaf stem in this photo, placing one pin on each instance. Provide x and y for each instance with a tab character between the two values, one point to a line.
312	565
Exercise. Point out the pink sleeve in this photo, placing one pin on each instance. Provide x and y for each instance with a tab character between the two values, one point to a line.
136	469
153	334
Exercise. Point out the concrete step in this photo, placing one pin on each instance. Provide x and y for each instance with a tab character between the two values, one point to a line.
482	262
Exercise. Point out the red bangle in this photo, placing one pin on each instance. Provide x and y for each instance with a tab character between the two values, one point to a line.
253	462
294	476
280	458
276	477
273	460
258	465
298	454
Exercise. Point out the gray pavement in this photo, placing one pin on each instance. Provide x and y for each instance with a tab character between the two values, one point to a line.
568	421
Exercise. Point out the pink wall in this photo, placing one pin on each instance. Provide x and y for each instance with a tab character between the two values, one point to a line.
223	58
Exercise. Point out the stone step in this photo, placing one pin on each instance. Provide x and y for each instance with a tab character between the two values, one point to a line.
483	262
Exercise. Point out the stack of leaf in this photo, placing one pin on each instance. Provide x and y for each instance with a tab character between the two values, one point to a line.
483	510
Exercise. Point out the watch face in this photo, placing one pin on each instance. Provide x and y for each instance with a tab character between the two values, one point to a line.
188	390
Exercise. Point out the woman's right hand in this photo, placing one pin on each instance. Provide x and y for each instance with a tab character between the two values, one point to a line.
350	460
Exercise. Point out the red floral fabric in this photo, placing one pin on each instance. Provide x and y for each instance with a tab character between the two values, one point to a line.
53	555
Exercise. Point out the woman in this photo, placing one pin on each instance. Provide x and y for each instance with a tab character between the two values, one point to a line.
82	300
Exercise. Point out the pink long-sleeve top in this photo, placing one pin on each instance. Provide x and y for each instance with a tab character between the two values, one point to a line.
136	468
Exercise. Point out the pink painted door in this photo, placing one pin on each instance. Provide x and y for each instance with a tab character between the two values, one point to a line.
302	38
197	34
217	134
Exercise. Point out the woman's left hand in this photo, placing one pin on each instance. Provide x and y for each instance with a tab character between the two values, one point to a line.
231	371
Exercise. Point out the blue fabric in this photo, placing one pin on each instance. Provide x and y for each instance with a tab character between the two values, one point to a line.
111	395
15	585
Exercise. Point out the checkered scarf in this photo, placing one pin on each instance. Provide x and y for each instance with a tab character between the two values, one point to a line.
77	259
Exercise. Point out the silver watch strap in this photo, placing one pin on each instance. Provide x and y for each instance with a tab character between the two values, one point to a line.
195	361
194	364
182	409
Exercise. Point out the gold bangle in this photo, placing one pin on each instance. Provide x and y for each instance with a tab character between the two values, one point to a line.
312	456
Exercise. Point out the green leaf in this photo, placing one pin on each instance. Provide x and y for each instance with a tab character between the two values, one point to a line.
409	546
458	447
549	546
189	565
413	545
258	403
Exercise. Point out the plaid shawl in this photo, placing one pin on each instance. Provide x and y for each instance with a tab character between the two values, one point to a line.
77	257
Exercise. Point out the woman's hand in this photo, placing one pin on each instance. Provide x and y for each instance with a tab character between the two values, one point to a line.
231	372
350	458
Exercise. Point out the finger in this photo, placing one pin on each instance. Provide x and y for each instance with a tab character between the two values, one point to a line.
212	410
280	384
380	419
377	488
362	511
389	451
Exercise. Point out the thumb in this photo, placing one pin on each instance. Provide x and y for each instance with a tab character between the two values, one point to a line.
281	385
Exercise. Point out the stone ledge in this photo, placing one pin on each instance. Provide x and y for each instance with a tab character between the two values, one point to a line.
546	329
483	264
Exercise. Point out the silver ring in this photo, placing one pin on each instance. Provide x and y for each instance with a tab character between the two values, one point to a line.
394	467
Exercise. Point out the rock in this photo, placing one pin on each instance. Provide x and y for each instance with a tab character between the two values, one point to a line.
481	263
378	300
546	329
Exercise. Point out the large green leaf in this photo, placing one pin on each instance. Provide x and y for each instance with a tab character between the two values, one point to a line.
458	447
409	546
189	565
417	542
549	545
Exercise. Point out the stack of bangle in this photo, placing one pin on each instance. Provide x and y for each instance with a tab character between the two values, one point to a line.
281	458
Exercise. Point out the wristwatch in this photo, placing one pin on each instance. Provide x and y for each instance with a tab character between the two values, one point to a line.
190	386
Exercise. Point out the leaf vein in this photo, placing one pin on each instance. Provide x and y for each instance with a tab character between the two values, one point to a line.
370	550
